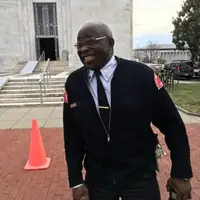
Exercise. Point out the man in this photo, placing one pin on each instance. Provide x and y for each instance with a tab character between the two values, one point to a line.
109	106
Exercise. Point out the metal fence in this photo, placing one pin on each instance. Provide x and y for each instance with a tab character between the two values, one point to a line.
44	80
168	79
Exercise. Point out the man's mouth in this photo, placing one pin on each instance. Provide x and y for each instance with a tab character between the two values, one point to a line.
89	59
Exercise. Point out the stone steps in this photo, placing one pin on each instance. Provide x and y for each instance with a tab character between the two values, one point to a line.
29	95
28	100
13	83
31	104
28	86
25	91
35	79
55	66
32	90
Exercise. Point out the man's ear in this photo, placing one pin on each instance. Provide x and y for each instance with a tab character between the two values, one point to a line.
111	42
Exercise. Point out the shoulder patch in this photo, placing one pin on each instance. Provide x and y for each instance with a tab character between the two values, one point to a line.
65	97
158	82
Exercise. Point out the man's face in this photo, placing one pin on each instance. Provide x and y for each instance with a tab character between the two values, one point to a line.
93	48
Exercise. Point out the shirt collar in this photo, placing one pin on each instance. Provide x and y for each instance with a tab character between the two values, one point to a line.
107	71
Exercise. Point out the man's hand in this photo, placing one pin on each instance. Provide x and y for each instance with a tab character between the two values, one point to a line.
80	193
181	187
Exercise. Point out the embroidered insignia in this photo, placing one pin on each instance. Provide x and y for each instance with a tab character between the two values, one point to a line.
158	82
65	97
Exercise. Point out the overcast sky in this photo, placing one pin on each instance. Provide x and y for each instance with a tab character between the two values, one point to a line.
154	17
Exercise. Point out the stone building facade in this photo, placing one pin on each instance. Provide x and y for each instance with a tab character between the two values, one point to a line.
29	26
167	52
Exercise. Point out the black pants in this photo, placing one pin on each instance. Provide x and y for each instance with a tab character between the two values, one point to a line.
144	187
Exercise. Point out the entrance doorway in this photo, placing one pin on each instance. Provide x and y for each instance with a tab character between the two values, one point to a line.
46	30
48	46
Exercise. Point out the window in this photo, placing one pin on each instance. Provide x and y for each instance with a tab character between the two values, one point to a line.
45	19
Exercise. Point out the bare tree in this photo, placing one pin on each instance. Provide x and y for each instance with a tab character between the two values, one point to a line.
149	54
138	54
152	52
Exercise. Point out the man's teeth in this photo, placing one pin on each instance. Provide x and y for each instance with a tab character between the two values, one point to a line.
88	58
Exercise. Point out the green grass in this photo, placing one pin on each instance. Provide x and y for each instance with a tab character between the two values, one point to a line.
187	96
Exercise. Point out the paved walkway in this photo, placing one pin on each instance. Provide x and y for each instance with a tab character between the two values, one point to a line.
48	117
51	184
15	118
165	162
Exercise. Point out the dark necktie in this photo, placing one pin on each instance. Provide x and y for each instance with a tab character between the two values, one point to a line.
104	108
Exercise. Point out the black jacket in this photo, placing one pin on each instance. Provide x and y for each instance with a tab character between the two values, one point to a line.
135	103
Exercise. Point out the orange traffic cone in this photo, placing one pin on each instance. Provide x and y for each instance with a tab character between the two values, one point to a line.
37	154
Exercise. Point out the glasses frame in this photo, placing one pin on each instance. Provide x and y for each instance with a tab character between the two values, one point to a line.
95	39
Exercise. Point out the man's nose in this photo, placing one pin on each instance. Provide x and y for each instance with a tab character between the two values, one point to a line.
84	48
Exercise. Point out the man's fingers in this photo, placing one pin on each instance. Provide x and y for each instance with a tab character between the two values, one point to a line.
185	197
189	196
178	196
85	198
168	188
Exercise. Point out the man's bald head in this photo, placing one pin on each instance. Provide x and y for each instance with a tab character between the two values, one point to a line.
99	27
95	44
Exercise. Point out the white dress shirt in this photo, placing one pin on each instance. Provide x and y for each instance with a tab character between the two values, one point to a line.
106	76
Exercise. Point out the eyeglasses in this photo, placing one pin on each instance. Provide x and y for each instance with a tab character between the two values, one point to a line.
89	42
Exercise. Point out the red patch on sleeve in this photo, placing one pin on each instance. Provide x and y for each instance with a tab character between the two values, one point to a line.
65	97
158	82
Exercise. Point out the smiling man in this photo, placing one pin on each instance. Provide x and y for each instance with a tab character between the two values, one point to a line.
99	55
109	105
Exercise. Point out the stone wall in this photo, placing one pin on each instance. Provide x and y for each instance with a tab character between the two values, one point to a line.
16	31
9	34
116	14
17	41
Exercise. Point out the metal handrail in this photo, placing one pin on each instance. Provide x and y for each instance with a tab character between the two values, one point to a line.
42	57
44	79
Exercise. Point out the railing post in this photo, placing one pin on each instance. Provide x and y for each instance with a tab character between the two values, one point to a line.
44	82
41	100
42	78
47	79
173	81
49	71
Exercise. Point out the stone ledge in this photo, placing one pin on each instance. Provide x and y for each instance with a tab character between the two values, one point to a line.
29	67
187	112
3	82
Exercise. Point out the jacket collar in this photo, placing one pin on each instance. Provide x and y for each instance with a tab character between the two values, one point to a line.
119	62
107	71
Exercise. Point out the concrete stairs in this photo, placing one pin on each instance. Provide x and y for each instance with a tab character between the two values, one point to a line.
56	67
25	91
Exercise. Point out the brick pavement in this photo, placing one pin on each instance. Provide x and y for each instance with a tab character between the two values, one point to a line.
51	184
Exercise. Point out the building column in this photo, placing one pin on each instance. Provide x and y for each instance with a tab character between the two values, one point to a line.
69	35
31	33
21	32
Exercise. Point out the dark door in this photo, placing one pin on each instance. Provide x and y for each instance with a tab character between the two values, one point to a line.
48	46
